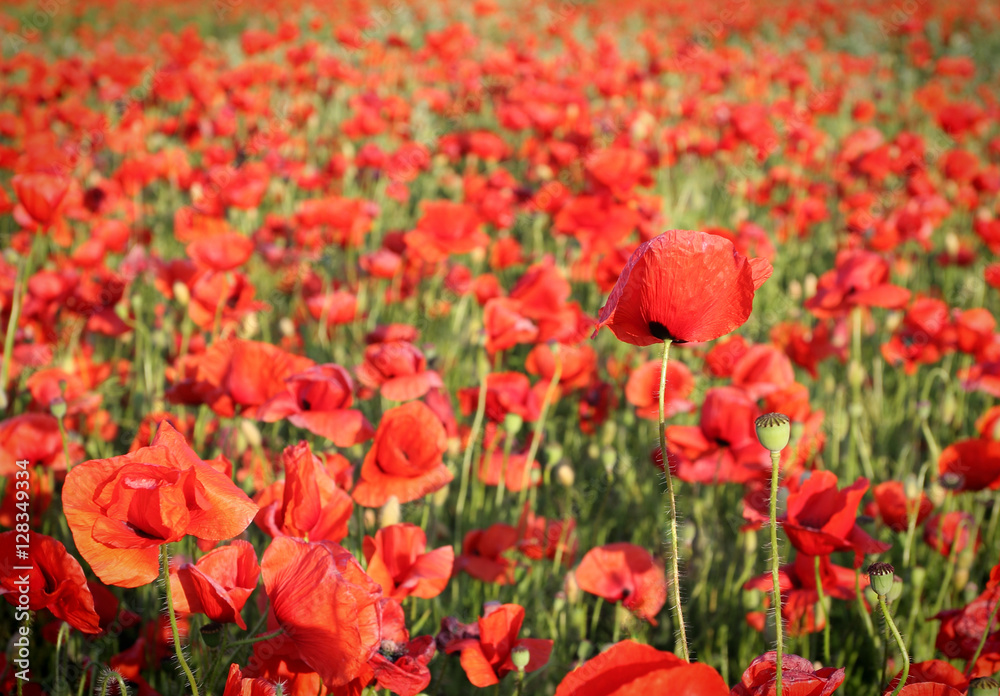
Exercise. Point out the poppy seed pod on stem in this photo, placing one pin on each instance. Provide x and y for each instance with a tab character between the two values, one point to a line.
984	686
773	431
881	576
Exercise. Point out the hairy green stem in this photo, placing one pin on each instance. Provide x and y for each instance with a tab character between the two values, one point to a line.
826	614
165	570
775	562
899	644
675	573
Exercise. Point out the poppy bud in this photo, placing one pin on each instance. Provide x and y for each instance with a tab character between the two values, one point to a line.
211	634
984	686
512	423
773	431
923	410
565	475
896	591
520	656
948	407
390	513
58	407
855	374
881	577
182	293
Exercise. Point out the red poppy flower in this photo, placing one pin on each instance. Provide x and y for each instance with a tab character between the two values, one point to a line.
895	508
962	630
398	370
34	437
723	447
221	252
798	677
400	665
506	392
235	373
228	296
326	604
218	585
397	561
319	400
55	582
405	457
625	573
40	196
950	532
643	389
628	668
763	370
541	538
308	503
821	519
122	509
578	364
487	660
505	326
973	464
930	678
685	287
483	552
799	594
446	228
860	279
238	685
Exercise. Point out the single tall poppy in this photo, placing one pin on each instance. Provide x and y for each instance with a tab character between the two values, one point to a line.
683	286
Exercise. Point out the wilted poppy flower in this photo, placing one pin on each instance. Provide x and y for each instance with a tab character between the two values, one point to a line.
895	508
307	503
218	585
398	370
821	519
683	286
973	464
487	660
798	677
319	400
930	678
122	509
483	554
326	604
397	561
405	457
55	582
625	573
628	668
238	685
643	389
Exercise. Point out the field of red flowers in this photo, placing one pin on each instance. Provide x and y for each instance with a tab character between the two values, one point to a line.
343	342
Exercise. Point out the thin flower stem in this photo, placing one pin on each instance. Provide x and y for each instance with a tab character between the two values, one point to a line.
775	561
165	570
536	437
826	617
258	639
862	608
899	643
477	423
61	639
982	639
675	573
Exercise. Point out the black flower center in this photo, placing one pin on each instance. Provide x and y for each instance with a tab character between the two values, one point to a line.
660	331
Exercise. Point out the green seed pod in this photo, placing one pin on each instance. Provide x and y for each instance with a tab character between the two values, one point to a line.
58	407
774	431
211	634
984	686
520	657
512	423
881	577
897	590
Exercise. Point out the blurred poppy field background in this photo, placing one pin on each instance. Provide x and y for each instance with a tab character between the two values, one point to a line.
342	342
